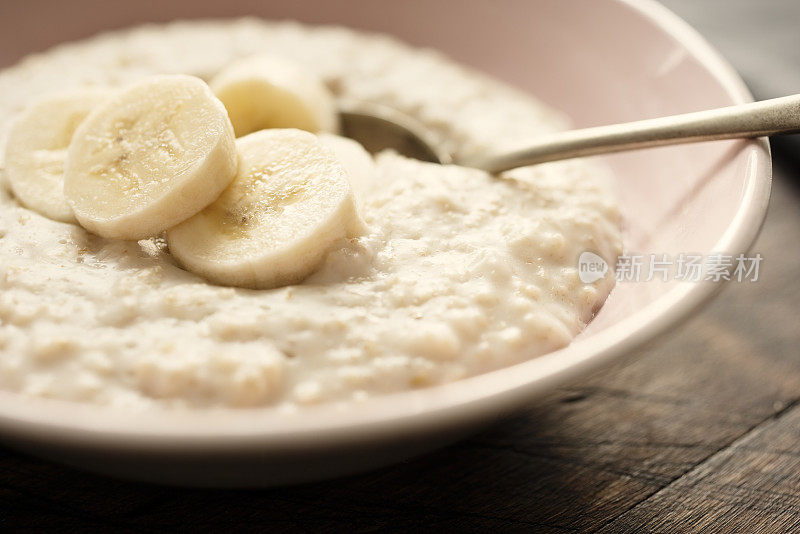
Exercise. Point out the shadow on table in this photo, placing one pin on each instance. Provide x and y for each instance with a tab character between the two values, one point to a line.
493	480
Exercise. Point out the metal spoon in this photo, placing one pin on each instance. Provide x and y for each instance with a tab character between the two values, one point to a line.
378	127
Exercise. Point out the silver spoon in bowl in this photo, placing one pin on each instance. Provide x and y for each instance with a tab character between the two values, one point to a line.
378	127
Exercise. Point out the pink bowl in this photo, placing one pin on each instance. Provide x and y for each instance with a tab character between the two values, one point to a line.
601	61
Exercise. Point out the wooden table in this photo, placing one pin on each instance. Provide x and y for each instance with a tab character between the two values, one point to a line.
700	431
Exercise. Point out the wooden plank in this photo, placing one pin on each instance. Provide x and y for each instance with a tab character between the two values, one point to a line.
752	486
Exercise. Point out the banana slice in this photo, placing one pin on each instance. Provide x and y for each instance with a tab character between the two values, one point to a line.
289	203
356	160
37	147
150	157
266	92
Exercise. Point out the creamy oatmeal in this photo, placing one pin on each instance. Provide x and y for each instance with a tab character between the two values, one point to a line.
457	273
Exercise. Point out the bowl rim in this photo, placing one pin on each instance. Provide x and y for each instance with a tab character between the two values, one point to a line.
455	404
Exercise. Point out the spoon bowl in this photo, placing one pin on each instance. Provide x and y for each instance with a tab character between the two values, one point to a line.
379	127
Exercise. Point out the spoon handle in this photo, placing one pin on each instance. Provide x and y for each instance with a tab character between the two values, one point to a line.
755	119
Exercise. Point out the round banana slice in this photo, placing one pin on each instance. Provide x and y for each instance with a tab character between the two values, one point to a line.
289	203
150	157
266	92
37	147
356	160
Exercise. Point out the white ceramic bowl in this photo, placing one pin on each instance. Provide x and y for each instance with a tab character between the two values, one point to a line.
601	61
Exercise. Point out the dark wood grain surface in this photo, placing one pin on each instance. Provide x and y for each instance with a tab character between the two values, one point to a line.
699	432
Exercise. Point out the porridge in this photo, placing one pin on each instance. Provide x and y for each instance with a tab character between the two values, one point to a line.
438	273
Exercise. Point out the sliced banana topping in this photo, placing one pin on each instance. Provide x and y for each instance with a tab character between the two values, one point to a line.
266	92
356	160
290	202
37	147
150	157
